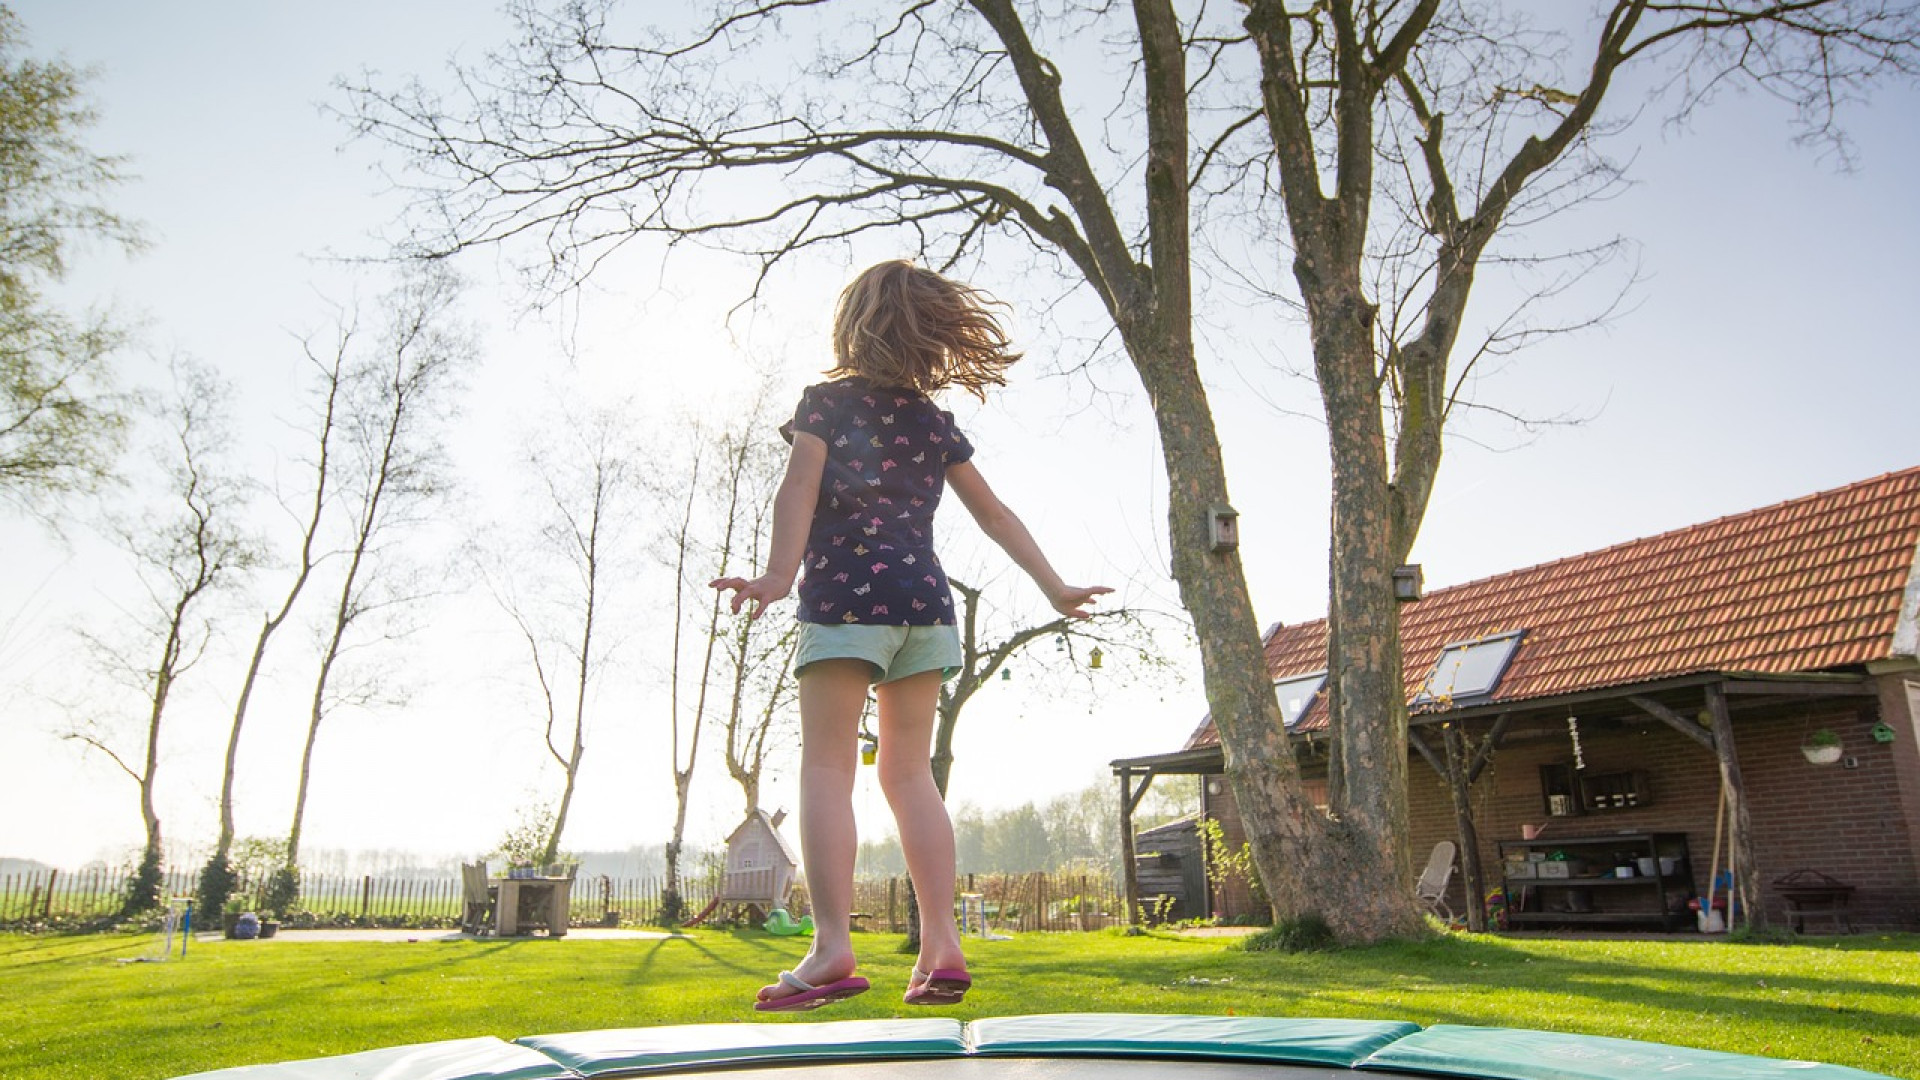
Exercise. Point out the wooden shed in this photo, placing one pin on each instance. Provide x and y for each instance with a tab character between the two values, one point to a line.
1169	864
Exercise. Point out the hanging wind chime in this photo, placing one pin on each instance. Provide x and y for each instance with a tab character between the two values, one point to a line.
1573	729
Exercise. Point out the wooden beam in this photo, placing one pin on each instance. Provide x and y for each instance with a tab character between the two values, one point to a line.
1675	721
1483	756
1415	740
1747	877
1146	781
1848	688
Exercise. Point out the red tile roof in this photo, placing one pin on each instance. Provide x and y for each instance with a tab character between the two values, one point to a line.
1809	585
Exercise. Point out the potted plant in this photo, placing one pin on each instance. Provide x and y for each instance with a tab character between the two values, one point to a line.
230	915
1822	747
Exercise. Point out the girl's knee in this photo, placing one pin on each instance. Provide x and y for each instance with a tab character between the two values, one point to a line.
900	779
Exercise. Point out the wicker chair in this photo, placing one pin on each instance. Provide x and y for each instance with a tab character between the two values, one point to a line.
480	897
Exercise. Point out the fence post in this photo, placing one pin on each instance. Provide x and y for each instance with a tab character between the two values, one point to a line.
366	896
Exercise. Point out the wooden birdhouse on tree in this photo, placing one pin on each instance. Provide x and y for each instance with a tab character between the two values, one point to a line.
760	866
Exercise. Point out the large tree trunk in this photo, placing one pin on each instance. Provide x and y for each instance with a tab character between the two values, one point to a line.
1368	862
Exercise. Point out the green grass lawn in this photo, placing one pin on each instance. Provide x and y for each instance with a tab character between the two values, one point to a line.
75	1010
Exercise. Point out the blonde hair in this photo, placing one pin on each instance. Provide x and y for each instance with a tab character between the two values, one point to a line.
900	325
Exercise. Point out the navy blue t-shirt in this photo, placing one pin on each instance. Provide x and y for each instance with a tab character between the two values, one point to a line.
870	553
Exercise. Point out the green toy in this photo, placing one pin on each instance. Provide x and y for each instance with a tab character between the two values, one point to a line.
783	924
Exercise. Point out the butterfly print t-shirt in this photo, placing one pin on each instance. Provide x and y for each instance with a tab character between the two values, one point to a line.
870	550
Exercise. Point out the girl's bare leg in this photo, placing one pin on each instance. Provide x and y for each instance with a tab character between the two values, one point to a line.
907	712
832	695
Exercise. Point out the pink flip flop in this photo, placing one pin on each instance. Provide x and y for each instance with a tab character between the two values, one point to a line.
809	996
941	986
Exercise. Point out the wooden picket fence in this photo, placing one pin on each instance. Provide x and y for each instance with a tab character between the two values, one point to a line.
991	902
1002	903
54	895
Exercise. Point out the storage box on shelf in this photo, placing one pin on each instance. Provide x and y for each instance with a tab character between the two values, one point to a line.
1598	879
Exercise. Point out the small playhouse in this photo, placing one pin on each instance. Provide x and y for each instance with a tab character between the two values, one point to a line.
760	868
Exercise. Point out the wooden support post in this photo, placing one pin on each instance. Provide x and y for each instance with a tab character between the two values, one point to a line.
1481	757
1746	885
1129	802
1463	819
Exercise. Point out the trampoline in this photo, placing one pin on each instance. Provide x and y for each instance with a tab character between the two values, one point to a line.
1072	1046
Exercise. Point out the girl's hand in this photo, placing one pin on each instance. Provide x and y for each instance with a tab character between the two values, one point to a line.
1072	600
763	590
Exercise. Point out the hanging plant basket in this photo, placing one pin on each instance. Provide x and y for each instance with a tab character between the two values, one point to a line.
1822	755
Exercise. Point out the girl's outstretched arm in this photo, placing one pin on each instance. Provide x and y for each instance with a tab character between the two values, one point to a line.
1007	530
792	517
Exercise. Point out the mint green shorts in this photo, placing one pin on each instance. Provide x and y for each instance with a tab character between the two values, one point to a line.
894	652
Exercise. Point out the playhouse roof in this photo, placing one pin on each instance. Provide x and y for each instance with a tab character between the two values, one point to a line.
1821	583
762	819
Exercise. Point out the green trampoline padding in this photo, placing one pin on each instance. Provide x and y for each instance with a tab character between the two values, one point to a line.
1072	1044
636	1051
1521	1054
483	1058
1256	1038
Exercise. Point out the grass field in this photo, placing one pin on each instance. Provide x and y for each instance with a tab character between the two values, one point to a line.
76	1010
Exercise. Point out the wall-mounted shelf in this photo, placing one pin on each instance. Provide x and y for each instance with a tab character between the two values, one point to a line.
1602	793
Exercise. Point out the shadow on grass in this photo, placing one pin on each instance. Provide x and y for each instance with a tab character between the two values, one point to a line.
65	948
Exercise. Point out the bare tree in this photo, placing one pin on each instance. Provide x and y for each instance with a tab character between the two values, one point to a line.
588	476
187	552
395	395
680	545
719	523
763	695
218	876
1393	143
986	650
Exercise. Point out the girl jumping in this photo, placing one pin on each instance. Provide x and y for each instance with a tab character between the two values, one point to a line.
871	456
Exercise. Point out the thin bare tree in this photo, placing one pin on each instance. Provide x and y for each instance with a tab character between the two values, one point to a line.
763	696
218	876
589	483
187	552
680	541
396	394
1377	146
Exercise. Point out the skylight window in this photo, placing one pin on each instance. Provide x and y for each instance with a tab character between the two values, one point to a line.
1296	695
1468	670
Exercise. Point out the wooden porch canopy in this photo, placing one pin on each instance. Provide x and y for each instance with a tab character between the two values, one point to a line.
1700	707
1206	761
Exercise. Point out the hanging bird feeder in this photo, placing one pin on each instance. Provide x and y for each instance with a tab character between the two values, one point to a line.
869	750
1094	658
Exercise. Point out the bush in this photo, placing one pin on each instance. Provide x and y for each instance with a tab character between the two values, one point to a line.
143	888
283	891
216	883
1308	933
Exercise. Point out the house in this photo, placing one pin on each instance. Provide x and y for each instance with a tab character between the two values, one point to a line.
1632	720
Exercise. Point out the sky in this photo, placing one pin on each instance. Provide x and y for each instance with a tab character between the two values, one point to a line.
1764	355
